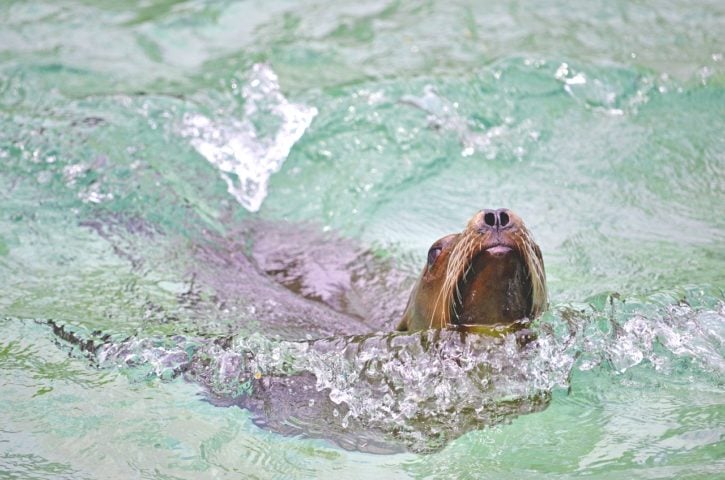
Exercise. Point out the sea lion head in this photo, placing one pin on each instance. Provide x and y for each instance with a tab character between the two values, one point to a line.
489	277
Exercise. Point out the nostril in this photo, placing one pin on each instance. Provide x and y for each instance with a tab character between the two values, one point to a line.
490	219
503	218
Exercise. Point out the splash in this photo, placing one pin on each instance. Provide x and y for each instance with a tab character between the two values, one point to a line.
247	152
378	393
615	93
661	340
390	392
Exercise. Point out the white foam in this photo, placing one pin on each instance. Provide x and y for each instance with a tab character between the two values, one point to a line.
245	156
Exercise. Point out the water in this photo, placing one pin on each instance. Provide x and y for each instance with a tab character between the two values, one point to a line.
228	196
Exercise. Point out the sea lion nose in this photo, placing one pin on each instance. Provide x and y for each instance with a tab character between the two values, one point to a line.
497	219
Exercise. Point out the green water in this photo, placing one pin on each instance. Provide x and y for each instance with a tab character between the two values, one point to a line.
601	124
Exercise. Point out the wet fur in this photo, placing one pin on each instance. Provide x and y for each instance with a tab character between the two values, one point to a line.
452	270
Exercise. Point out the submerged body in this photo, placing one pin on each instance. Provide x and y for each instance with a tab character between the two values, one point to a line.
326	306
490	277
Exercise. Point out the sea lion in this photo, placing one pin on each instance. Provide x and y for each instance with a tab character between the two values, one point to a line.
490	277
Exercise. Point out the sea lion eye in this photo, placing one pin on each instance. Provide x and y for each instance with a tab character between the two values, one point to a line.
433	253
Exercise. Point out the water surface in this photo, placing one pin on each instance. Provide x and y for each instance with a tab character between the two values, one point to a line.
156	155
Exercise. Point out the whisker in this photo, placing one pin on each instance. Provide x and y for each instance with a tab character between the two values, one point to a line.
454	276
